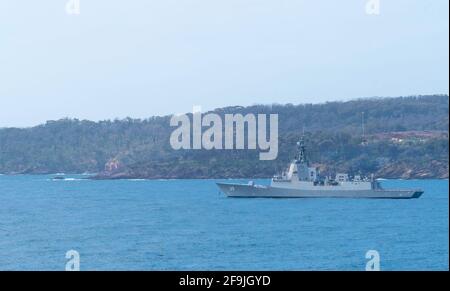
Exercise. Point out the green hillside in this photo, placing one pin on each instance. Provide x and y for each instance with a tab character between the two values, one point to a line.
407	137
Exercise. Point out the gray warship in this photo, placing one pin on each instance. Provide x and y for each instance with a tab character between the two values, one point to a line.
302	181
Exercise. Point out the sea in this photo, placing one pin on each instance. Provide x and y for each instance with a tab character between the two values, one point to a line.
189	225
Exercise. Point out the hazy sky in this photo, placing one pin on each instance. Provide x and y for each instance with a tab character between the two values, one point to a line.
141	58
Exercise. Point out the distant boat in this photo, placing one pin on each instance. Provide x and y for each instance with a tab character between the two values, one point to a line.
302	181
59	178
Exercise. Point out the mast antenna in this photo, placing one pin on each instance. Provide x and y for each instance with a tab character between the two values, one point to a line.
363	138
301	152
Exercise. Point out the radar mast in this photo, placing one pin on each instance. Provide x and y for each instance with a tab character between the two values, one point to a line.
301	151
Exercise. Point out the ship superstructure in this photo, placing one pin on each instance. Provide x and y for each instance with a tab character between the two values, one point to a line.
304	181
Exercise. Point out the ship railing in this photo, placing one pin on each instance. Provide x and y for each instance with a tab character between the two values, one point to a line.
276	179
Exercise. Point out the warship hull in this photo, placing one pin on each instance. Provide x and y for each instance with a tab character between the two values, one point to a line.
256	191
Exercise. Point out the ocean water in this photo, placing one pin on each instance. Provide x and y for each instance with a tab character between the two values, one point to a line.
188	225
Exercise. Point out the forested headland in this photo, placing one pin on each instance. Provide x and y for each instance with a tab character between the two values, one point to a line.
407	137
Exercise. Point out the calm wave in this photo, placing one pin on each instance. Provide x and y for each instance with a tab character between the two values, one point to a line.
187	224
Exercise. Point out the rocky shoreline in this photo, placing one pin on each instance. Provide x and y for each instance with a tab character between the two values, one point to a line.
388	173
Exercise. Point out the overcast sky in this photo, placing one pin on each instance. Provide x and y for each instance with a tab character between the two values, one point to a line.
141	58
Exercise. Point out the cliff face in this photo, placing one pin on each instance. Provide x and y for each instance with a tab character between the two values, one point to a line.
402	170
187	170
